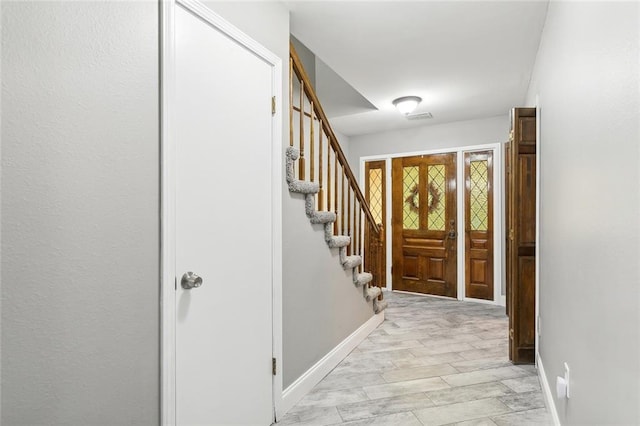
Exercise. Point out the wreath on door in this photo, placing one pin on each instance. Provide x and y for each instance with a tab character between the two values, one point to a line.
434	199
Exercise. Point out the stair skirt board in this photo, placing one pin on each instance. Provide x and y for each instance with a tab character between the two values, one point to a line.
303	385
310	189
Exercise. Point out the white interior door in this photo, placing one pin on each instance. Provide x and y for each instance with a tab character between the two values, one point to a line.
222	130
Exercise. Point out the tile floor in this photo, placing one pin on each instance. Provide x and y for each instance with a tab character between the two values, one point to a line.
432	362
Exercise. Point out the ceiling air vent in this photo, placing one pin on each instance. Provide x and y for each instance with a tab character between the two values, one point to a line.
420	116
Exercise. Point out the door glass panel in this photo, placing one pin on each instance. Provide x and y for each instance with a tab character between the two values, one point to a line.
375	194
437	197
478	195
411	197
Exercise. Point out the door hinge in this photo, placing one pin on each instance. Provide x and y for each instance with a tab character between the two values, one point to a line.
511	334
273	366
511	234
273	105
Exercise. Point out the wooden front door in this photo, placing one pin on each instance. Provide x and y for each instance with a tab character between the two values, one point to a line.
478	199
424	227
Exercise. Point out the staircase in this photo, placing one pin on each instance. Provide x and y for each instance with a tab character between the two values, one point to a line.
317	168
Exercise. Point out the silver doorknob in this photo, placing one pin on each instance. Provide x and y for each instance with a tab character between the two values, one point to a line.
190	280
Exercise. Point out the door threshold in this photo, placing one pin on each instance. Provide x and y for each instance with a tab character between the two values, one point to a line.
424	294
483	301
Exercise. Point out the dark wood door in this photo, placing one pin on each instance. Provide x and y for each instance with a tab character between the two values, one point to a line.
478	172
375	192
507	226
521	212
424	227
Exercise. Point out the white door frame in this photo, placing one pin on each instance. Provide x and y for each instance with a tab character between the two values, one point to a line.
168	196
496	148
537	252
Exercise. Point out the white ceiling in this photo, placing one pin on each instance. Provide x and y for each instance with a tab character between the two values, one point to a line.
466	60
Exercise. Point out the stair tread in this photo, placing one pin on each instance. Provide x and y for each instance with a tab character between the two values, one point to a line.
379	305
362	278
339	241
352	261
373	292
323	217
292	155
304	187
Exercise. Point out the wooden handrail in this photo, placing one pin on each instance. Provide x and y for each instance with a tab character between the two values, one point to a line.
298	68
342	193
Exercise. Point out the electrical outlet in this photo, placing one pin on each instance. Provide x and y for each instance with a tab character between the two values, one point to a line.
562	384
567	378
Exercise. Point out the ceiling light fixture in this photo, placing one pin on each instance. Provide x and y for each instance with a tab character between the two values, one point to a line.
407	104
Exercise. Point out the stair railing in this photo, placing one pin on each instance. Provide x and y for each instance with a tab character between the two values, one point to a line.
322	160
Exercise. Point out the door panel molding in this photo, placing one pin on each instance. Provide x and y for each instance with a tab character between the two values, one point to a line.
168	196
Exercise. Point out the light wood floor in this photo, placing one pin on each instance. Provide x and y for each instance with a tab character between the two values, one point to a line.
432	362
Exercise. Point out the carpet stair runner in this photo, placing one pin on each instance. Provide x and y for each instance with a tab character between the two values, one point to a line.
310	189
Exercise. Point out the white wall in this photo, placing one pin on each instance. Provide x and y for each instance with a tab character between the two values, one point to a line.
321	306
448	135
80	200
308	59
587	80
345	144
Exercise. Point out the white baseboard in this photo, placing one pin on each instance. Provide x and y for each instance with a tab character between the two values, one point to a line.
502	301
298	389
548	395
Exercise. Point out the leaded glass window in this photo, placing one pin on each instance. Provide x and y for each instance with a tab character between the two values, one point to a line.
479	195
411	197
436	185
375	194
